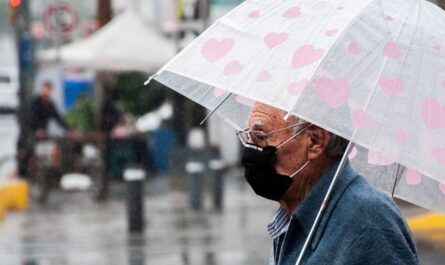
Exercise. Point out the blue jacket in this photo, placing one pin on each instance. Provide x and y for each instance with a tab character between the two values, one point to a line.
361	225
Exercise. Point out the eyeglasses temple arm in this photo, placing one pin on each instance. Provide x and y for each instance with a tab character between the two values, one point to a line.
295	135
285	128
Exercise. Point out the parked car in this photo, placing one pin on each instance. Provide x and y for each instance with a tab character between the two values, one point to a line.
9	87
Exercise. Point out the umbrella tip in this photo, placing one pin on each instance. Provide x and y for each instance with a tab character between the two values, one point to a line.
286	117
149	79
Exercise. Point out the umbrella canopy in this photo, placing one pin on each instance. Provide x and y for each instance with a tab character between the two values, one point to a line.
124	44
371	71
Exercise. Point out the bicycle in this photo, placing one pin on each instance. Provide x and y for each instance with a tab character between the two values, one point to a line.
55	156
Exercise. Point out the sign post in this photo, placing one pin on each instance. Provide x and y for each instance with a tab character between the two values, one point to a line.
24	48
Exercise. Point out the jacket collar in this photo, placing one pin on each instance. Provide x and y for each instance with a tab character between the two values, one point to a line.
306	212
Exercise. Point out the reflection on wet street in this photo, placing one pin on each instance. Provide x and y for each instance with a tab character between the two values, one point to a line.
72	229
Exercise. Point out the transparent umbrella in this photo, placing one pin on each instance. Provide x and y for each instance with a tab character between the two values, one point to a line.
371	71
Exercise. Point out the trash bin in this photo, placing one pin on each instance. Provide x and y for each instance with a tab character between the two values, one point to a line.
127	151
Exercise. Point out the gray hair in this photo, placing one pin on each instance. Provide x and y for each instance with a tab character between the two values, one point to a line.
336	146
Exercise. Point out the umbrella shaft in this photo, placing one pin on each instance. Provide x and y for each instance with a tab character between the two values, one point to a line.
325	202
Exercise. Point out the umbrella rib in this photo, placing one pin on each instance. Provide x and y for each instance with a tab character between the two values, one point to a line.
321	62
396	180
400	71
385	62
316	68
215	109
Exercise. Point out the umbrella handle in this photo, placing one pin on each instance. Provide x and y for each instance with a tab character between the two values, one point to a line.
325	202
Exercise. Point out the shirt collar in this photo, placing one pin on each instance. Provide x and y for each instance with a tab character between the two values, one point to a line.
306	212
279	223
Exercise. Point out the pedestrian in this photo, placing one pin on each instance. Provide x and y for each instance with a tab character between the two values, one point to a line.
293	162
33	118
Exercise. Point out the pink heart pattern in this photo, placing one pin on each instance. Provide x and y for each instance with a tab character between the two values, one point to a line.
263	76
218	92
245	101
330	32
443	83
295	88
413	178
437	47
439	154
213	50
401	135
273	39
442	188
391	86
353	153
378	159
233	67
354	48
389	18
340	7
333	92
361	119
292	12
433	113
255	14
306	55
392	50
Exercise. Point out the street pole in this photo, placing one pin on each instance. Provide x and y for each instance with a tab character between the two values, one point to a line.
194	11
24	51
104	14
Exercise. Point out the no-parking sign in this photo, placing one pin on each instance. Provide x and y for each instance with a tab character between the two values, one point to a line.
60	19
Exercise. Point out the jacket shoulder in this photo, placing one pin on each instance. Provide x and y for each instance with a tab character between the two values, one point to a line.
372	203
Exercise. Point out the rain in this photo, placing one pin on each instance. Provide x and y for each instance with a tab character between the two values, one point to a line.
124	126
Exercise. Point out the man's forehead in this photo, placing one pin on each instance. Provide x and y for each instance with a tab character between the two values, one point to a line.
262	114
266	109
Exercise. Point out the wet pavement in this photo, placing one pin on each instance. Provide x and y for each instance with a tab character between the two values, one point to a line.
73	229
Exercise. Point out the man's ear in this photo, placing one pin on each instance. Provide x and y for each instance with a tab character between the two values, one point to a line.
318	141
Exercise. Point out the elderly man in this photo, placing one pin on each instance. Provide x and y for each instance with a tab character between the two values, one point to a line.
293	162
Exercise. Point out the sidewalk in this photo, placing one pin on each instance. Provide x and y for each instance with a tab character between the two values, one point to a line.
72	229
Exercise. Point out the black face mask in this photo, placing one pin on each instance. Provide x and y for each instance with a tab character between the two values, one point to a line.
260	173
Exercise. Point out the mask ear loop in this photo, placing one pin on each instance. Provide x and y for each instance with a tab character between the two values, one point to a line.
301	168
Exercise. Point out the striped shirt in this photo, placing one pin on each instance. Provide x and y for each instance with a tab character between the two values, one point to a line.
279	223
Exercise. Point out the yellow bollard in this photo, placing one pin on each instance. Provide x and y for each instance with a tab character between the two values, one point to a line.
430	225
16	194
3	206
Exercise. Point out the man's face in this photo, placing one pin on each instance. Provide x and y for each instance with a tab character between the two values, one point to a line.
291	155
46	91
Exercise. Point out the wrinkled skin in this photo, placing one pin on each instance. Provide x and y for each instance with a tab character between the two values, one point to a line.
308	146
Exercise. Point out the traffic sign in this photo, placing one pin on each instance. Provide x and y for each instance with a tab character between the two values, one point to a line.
60	19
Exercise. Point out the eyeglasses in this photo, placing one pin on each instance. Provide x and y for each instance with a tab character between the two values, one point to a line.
259	138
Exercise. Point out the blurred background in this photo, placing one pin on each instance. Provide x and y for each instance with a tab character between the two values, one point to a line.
96	168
